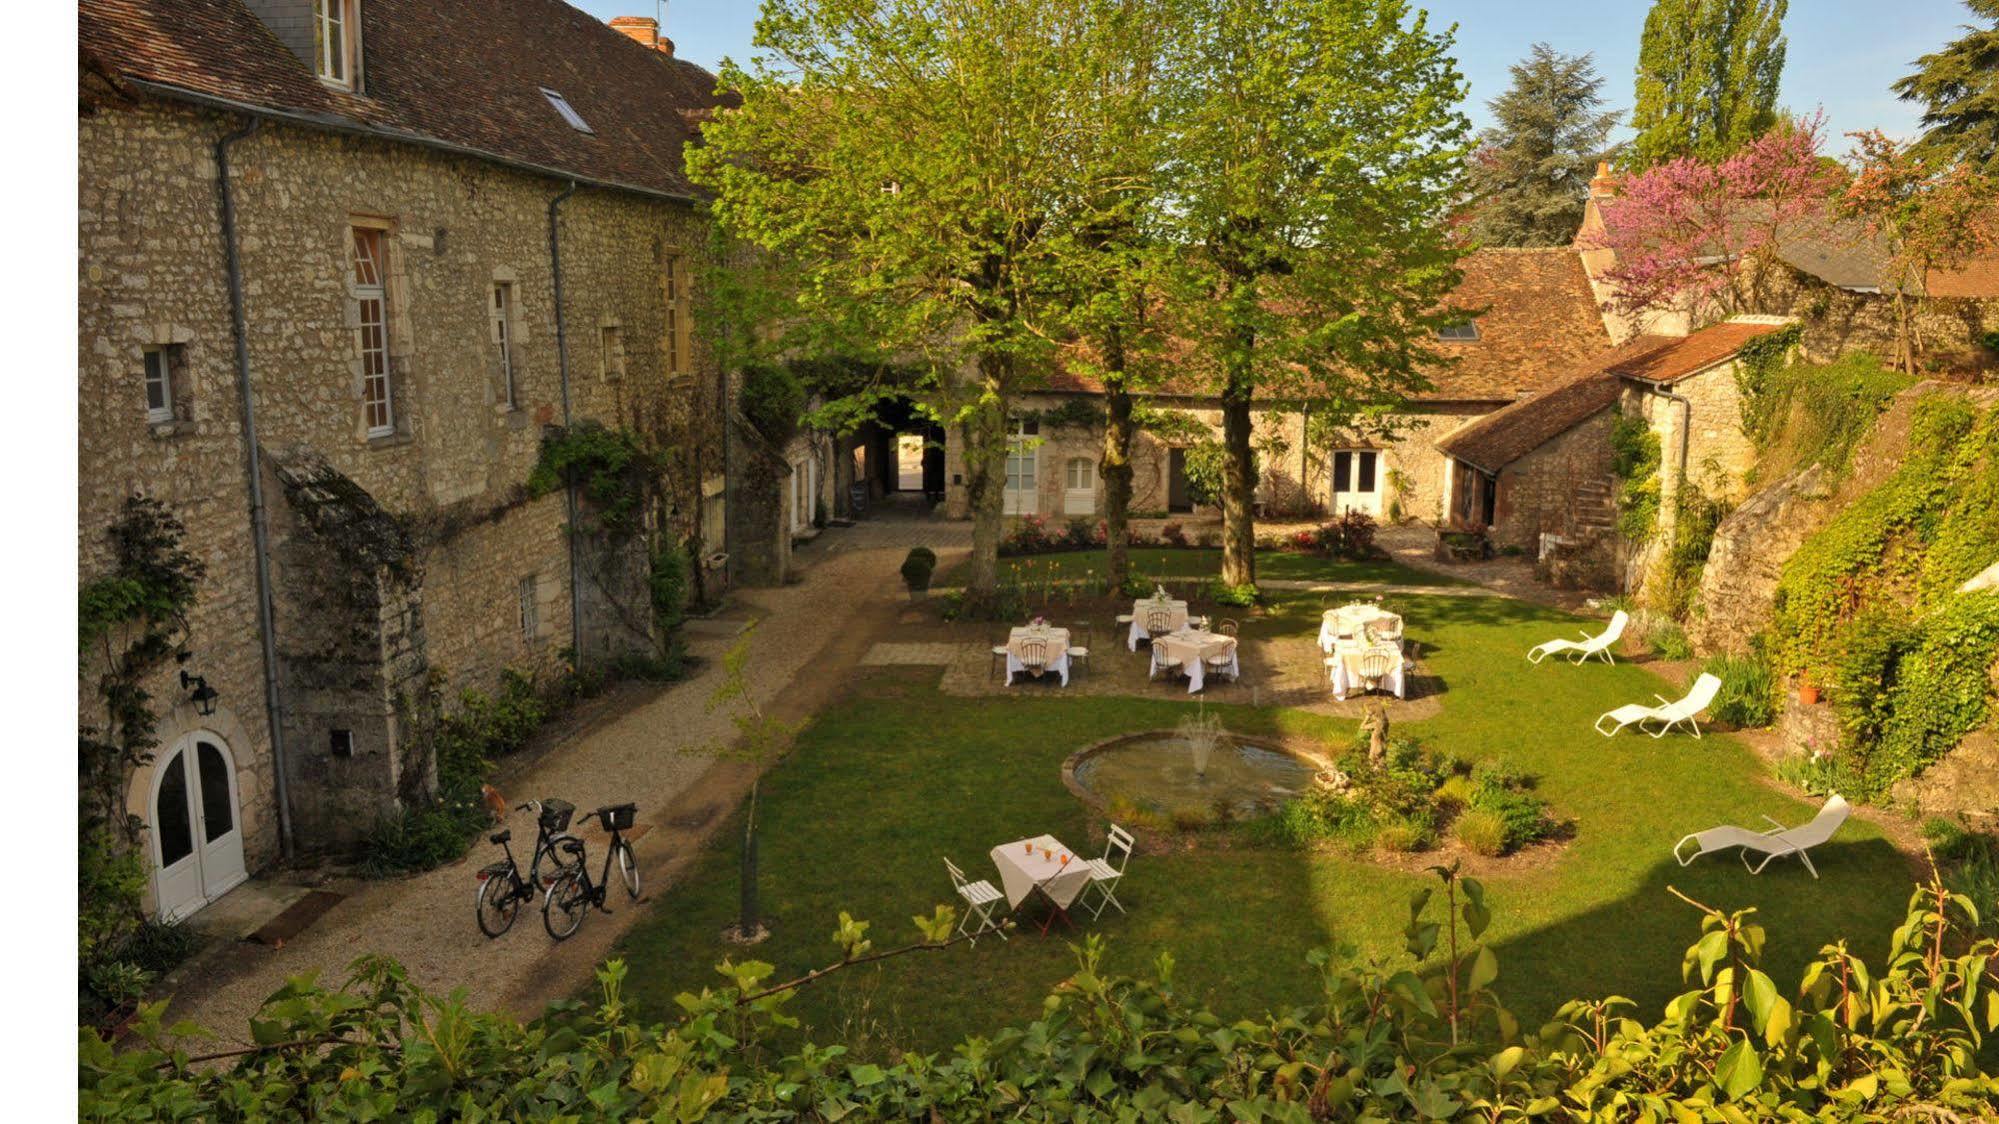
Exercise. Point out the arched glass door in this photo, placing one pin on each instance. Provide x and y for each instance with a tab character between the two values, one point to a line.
196	825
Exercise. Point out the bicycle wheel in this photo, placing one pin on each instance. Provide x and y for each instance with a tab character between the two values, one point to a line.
628	867
498	905
563	907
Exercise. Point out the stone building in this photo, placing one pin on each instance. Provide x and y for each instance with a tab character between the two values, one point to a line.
445	229
1530	318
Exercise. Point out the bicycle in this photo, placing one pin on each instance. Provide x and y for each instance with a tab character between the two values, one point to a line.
502	889
572	893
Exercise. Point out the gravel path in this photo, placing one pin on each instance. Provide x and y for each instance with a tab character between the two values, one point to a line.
651	754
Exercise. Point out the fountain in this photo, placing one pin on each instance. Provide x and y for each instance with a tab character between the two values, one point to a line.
1195	772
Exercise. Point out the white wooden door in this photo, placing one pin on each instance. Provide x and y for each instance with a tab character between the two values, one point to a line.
1023	463
1357	481
197	830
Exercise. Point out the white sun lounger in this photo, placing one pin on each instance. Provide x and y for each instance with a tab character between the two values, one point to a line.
1775	843
1598	645
1668	713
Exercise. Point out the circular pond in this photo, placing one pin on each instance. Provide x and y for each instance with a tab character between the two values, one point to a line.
1156	772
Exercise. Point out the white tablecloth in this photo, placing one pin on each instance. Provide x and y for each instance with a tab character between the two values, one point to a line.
1057	642
1020	872
1176	618
1191	650
1346	668
1349	620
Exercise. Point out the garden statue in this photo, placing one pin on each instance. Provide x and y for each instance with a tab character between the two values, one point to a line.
1375	726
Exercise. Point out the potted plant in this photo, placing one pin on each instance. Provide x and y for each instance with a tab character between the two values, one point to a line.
1808	692
916	571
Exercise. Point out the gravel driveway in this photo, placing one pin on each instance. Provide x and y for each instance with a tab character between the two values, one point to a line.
650	754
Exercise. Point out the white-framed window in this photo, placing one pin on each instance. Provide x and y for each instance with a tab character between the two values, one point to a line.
670	285
1080	474
1023	463
568	112
528	593
611	340
1466	332
371	296
164	366
503	338
336	39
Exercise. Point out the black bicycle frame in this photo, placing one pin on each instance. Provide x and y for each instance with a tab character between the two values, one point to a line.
544	846
594	892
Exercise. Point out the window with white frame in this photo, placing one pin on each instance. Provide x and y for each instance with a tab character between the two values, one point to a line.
1082	474
670	284
336	39
371	296
503	338
528	593
164	366
612	344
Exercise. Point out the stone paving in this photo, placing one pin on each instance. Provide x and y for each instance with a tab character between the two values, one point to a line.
652	754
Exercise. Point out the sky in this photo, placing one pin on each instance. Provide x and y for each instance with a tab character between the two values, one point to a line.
1843	54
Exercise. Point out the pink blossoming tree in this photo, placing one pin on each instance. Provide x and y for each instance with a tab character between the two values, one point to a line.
1697	236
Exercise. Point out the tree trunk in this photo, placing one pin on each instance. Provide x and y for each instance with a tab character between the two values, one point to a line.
749	922
1238	489
1116	466
985	428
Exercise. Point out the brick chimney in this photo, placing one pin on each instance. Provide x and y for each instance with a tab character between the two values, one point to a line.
643	30
1604	184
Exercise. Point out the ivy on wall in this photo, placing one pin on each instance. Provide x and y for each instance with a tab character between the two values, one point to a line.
1634	459
612	468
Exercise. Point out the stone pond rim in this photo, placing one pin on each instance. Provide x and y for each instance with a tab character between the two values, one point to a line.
1312	757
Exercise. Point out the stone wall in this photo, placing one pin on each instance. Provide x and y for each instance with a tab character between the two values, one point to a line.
151	274
1837	321
1554	489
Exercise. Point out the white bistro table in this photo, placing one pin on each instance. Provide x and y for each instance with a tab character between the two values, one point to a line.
1352	621
1345	670
1191	649
1054	647
1176	618
1028	865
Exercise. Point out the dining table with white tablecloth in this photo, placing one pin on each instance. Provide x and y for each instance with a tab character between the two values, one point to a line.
1145	608
1190	649
1347	659
1049	643
1027	865
1355	621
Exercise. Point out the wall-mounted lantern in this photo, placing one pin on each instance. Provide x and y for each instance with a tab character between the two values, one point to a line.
204	696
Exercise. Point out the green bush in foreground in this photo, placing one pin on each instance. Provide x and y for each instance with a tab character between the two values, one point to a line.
1376	1042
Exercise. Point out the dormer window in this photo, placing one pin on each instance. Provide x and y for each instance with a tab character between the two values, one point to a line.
1466	332
336	41
567	111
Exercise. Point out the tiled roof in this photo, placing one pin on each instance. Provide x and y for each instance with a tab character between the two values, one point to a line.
1539	321
1499	438
464	74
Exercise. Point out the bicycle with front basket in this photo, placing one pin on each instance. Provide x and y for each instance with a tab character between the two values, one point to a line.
502	887
572	893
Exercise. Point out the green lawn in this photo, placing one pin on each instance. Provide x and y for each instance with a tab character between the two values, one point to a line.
880	789
1199	562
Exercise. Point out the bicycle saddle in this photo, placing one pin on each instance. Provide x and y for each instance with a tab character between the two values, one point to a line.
500	836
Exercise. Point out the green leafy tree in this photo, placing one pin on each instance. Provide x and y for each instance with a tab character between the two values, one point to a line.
904	157
1707	77
1318	146
760	740
1530	175
1959	89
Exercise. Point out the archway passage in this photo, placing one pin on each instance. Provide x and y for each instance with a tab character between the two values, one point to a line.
897	454
196	822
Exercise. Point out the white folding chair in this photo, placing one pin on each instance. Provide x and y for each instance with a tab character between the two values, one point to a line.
1581	650
1773	844
979	898
1374	667
1107	872
1033	655
1079	647
1669	713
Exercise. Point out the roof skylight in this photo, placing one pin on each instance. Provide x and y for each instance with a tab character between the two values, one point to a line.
568	111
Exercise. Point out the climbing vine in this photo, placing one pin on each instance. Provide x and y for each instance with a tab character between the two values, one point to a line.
1635	457
131	623
612	468
1757	363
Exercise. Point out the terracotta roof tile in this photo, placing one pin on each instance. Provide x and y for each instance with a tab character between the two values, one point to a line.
461	72
1499	438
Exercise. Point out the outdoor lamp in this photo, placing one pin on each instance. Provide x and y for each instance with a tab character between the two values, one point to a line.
204	696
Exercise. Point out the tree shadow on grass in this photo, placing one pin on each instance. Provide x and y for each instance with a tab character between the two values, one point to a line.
1633	945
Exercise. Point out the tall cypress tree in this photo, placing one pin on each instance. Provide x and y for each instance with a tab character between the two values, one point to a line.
1959	88
1707	77
1530	175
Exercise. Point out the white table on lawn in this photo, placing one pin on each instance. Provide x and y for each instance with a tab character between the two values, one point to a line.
1022	873
1176	618
1057	651
1345	671
1191	649
1352	620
